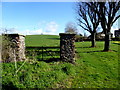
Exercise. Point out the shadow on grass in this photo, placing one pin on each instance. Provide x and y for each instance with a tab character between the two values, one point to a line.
83	47
54	38
90	51
50	60
117	43
98	51
8	86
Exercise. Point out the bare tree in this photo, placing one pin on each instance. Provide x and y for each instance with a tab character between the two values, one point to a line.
107	13
71	28
88	19
7	30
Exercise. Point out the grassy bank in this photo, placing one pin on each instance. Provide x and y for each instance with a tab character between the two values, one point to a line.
93	69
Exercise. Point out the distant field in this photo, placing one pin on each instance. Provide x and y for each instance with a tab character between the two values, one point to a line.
42	40
93	69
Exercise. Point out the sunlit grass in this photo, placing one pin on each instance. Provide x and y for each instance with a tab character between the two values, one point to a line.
93	69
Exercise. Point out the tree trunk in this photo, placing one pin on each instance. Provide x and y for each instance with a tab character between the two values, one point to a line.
107	42
93	40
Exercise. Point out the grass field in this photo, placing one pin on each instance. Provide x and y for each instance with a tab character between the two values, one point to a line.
42	40
93	69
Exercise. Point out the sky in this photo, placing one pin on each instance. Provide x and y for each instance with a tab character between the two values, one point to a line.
39	17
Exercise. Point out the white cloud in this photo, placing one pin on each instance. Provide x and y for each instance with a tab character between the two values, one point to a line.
8	30
39	31
51	28
32	32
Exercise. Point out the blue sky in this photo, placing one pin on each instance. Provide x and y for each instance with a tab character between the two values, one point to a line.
39	17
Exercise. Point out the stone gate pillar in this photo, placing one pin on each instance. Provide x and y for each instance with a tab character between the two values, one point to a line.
67	47
13	47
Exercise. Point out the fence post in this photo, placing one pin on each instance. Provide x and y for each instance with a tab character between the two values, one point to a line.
13	47
67	47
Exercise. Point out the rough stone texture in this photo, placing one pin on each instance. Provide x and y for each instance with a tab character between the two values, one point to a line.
13	47
67	47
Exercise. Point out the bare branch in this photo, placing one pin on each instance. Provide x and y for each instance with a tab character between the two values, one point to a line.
84	27
115	19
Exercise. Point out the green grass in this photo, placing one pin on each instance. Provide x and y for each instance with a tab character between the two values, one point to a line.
93	69
42	40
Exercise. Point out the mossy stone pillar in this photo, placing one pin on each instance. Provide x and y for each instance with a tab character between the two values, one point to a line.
13	47
67	47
